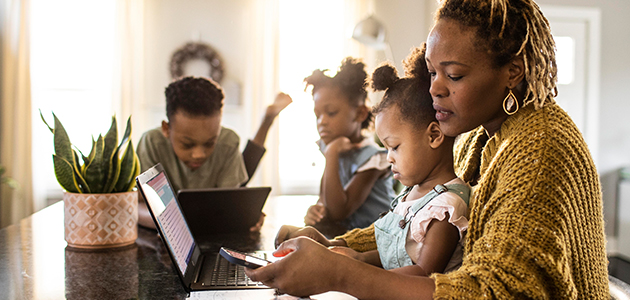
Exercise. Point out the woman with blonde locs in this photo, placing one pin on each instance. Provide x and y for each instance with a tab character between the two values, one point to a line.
536	226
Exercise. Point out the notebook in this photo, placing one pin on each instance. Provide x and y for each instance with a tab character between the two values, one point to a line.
198	268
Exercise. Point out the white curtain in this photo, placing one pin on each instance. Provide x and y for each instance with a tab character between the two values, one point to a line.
128	96
262	84
15	111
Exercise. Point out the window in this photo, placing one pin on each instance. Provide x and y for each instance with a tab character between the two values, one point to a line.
311	37
72	58
565	58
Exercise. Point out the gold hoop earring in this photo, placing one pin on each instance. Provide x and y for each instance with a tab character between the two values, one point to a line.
510	104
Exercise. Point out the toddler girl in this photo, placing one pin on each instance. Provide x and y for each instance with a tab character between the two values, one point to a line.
424	229
357	184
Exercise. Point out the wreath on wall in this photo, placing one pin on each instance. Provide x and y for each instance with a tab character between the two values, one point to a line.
192	51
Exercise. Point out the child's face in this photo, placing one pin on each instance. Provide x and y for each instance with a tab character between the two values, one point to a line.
335	116
193	137
408	148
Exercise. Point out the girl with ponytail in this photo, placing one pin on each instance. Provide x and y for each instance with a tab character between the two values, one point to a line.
357	184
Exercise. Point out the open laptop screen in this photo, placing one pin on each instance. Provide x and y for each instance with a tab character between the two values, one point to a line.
157	191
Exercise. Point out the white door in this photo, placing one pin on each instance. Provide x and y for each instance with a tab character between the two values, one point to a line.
576	31
570	38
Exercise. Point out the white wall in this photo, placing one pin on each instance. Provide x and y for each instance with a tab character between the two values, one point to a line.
224	25
405	23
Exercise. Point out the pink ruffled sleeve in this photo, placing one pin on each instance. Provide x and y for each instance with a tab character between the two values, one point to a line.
446	203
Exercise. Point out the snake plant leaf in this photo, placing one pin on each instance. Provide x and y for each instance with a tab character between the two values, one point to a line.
116	161
106	169
127	168
136	172
114	167
87	161
75	159
65	174
63	147
95	172
127	134
109	147
85	188
42	116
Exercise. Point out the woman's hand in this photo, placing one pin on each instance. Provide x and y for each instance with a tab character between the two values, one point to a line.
308	268
315	214
288	232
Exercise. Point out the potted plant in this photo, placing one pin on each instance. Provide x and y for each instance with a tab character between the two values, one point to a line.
100	206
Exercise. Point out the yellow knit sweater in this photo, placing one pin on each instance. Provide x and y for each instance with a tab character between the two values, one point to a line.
536	226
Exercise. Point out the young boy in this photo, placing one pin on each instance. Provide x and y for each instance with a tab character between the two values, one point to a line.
192	146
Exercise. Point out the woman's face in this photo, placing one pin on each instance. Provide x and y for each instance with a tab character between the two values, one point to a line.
467	90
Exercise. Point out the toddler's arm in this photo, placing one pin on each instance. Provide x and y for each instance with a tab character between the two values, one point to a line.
370	257
288	232
439	244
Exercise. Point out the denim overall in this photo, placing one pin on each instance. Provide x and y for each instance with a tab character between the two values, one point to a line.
391	230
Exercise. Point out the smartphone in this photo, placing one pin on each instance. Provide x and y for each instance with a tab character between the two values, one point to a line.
243	259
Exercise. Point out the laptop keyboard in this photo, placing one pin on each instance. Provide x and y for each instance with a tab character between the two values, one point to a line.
228	274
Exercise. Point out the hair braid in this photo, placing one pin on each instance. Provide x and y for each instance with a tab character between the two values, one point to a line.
507	29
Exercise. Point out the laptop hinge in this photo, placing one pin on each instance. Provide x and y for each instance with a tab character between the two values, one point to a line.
198	269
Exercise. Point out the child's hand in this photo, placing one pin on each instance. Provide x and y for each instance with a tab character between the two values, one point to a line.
315	214
288	232
340	145
259	224
346	251
282	100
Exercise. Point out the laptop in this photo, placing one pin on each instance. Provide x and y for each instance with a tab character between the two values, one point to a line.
198	268
215	212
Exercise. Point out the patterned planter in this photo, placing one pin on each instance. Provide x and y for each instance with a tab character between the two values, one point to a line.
94	221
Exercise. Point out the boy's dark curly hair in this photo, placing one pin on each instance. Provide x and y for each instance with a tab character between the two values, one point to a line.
196	96
350	80
410	93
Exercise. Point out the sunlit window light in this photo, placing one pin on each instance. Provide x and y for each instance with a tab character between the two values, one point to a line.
72	58
565	58
311	37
